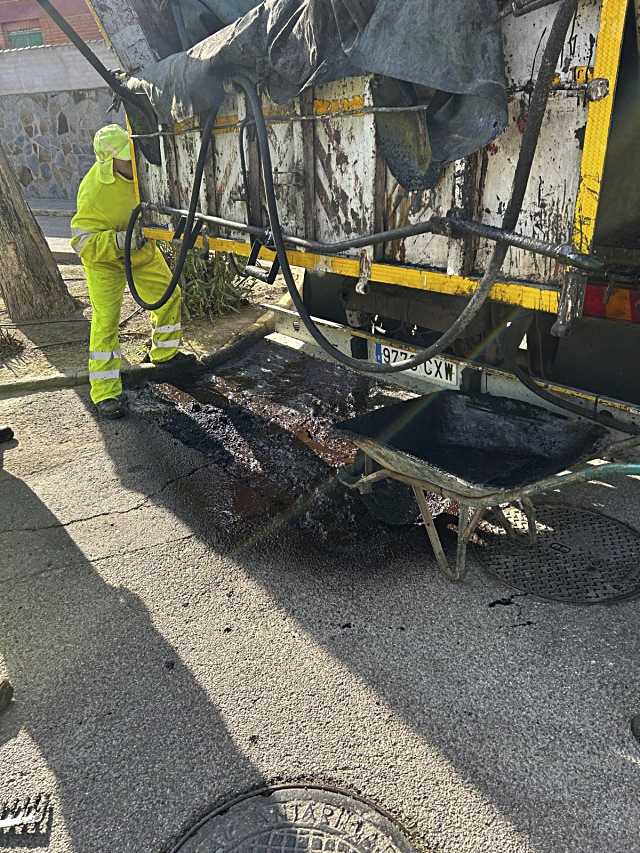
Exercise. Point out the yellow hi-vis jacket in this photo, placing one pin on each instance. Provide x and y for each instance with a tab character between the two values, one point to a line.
102	211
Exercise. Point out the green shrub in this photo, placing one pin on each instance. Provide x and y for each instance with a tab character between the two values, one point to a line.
211	287
10	345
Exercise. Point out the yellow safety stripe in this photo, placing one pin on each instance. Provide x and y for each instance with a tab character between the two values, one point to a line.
534	297
607	63
321	107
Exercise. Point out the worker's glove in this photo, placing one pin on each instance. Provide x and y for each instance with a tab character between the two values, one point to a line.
137	238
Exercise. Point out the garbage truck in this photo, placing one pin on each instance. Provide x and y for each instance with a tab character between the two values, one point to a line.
459	181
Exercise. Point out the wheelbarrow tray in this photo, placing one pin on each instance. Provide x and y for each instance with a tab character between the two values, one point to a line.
474	446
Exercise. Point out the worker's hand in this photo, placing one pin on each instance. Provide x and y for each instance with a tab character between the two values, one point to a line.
137	238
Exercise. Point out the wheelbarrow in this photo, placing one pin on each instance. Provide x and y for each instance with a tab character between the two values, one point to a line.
483	452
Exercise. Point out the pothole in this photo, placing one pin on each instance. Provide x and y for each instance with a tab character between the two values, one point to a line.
267	424
296	820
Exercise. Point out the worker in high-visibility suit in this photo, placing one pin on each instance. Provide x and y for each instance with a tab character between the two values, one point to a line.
106	198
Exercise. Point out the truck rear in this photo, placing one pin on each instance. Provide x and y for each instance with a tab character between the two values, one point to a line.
350	159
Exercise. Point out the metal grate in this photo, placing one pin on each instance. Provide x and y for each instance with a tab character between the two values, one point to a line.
290	819
581	556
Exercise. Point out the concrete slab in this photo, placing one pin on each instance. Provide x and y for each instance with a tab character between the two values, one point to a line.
56	227
160	668
52	207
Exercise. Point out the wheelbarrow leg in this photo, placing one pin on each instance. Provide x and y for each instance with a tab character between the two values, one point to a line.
463	539
504	521
465	531
434	538
466	528
530	511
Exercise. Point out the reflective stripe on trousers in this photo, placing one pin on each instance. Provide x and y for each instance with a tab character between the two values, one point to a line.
165	340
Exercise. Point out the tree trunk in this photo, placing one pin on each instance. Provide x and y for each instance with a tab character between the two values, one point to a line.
30	282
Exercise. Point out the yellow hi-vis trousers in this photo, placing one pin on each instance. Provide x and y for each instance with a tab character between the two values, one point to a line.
106	288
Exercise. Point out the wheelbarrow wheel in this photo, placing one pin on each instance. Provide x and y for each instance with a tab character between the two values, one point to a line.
388	501
392	503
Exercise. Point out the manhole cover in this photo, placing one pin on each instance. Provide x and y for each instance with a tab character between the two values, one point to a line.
295	820
581	557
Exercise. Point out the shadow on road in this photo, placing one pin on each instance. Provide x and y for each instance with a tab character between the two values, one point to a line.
522	715
526	718
76	647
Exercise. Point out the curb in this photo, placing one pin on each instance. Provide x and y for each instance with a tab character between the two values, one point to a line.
63	258
56	211
139	373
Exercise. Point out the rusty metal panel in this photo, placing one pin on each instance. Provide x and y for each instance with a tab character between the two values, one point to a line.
287	154
350	192
405	208
186	151
153	183
524	39
549	204
308	164
345	161
228	179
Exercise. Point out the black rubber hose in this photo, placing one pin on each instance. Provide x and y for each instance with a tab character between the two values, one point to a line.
537	109
188	228
603	420
445	226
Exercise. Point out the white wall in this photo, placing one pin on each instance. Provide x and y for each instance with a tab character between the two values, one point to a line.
51	68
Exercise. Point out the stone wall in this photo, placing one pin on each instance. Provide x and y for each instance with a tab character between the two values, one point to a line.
47	137
46	126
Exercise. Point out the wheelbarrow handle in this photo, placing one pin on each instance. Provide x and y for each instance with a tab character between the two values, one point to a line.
609	454
582	475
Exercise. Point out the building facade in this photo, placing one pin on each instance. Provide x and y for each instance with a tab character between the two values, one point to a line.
51	100
24	24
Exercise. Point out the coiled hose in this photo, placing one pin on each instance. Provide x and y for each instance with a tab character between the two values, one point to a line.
537	108
187	240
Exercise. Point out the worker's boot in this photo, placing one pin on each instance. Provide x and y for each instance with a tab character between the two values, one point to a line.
183	358
180	359
111	409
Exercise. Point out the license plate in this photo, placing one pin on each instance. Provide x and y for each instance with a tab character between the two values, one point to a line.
440	371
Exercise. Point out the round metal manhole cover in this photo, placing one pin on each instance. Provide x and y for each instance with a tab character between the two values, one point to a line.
295	820
581	557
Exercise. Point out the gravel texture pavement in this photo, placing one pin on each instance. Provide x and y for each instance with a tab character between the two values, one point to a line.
174	640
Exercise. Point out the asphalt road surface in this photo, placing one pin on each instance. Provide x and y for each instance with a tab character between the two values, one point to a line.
185	618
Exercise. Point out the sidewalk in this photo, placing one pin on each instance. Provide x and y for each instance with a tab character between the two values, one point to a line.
64	208
54	217
56	352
